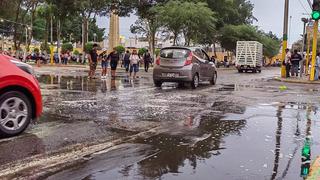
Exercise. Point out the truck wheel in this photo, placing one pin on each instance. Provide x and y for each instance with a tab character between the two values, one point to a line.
254	70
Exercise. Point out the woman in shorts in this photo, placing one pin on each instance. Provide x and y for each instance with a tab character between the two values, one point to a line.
104	64
134	61
114	59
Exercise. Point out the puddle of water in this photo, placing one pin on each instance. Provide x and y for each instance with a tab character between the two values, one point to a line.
265	143
81	83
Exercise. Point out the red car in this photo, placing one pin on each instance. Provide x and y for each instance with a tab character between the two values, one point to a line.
20	96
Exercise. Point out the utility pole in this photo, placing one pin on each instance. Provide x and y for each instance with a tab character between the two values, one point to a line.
308	49
305	21
315	16
285	37
314	49
58	40
26	48
51	40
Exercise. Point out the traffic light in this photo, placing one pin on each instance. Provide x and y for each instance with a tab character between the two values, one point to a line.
305	159
316	10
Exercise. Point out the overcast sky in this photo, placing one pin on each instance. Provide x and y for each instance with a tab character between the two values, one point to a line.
268	12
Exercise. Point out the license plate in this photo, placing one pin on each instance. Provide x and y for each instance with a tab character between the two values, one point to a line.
170	75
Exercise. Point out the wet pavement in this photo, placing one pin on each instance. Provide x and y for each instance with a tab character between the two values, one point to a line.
245	127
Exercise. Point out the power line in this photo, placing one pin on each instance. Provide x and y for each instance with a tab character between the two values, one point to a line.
303	6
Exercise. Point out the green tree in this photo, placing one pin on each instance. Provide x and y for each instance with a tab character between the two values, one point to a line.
120	49
66	47
230	34
148	23
141	51
88	47
76	52
45	47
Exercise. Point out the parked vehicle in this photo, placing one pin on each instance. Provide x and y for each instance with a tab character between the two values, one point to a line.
20	96
249	56
184	65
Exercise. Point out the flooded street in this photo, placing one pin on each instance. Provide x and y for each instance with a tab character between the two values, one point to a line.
245	127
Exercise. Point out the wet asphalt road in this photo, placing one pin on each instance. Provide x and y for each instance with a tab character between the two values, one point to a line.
245	127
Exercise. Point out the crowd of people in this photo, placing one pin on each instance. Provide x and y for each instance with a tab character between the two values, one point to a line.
295	64
130	61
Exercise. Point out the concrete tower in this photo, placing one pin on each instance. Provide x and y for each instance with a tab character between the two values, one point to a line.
114	36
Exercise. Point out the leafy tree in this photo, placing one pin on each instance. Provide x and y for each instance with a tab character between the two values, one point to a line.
76	52
148	23
88	47
66	47
271	43
232	12
45	47
36	50
141	51
157	52
230	34
120	49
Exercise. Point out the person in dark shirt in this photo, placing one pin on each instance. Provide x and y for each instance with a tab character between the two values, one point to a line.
114	58
93	60
126	61
295	61
147	60
213	59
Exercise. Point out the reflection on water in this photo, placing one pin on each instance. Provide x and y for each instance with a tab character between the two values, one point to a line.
81	83
178	150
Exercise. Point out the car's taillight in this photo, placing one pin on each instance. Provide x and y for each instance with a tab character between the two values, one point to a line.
158	61
188	60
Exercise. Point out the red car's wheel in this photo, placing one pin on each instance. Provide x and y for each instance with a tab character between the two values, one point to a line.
15	113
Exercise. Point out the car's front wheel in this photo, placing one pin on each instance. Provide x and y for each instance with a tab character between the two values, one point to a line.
15	113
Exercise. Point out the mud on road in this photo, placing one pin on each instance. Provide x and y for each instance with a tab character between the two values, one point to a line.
245	127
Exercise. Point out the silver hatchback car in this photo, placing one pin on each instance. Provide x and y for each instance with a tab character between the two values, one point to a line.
184	65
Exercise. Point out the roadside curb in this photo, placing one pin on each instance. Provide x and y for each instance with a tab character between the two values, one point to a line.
295	81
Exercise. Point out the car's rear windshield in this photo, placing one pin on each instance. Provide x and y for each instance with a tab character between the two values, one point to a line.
174	53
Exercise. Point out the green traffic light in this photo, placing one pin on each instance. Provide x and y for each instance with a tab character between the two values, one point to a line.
315	15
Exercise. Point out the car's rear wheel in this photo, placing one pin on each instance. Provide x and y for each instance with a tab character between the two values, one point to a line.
195	81
214	79
157	83
15	113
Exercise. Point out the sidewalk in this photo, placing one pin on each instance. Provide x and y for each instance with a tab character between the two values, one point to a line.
299	80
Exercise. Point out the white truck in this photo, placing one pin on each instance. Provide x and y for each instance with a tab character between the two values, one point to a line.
249	56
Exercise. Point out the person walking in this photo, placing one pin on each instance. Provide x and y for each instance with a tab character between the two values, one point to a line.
114	58
65	57
317	68
93	60
134	60
38	58
295	61
287	63
126	60
104	64
213	59
147	60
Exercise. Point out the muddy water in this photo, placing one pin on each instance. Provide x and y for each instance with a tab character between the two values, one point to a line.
261	142
206	133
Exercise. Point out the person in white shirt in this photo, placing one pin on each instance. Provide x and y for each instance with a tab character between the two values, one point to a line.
287	62
134	60
317	68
